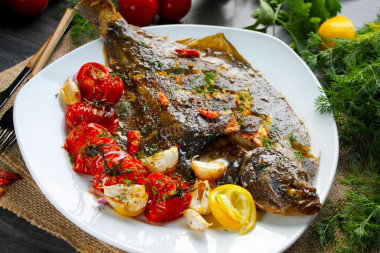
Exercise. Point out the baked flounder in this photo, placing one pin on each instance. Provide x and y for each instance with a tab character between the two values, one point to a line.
189	98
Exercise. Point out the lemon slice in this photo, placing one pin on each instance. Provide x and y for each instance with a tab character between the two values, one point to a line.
233	207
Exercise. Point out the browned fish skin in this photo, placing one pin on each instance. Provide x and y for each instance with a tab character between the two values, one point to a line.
278	183
252	113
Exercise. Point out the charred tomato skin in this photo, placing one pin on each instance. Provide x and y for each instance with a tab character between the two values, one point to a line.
84	112
168	197
138	12
132	171
97	84
93	70
133	142
109	90
77	141
174	10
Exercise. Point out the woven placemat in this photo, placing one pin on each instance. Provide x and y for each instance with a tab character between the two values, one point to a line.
24	198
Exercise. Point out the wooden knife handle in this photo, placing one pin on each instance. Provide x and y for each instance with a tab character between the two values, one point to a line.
52	42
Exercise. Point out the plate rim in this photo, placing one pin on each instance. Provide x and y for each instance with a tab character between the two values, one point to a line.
289	242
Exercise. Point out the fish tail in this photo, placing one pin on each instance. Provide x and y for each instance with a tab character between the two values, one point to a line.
98	12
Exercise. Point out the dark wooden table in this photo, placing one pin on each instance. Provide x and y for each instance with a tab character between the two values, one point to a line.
21	37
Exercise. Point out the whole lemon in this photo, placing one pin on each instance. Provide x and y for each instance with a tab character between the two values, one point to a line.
336	27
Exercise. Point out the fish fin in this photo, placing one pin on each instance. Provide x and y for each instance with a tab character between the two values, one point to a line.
98	12
216	42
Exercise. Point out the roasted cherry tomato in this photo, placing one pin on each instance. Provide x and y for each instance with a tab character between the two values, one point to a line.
118	169
188	53
168	197
133	142
174	10
77	141
96	83
84	112
109	90
138	12
87	88
93	70
96	149
28	7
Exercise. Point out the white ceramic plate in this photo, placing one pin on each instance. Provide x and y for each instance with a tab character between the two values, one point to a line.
41	131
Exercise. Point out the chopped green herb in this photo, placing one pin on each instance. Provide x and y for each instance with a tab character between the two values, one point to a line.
299	156
176	70
275	128
122	76
122	196
292	138
128	182
209	78
56	95
102	134
200	90
123	109
268	143
71	158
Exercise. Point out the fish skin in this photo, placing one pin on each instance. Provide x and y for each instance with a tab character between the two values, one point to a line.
278	183
143	58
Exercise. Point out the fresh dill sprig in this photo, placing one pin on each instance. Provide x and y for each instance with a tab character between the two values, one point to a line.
357	216
352	86
81	30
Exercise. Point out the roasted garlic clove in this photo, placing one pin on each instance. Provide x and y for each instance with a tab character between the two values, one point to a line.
70	92
208	170
162	162
126	200
199	197
195	221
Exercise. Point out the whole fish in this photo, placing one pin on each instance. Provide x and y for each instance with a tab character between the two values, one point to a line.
191	92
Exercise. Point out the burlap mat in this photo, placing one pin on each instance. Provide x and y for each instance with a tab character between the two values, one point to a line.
24	198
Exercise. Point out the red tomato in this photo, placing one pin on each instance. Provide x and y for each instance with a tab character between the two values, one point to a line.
130	170
138	12
109	90
133	142
209	114
94	150
95	71
163	99
28	7
168	197
77	140
4	182
188	53
174	10
84	112
96	83
87	88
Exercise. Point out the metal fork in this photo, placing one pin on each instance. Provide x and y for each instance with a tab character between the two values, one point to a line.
7	130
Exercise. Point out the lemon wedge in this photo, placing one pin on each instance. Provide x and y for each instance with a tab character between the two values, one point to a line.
233	207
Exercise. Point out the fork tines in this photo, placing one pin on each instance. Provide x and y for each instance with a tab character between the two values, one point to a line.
7	138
